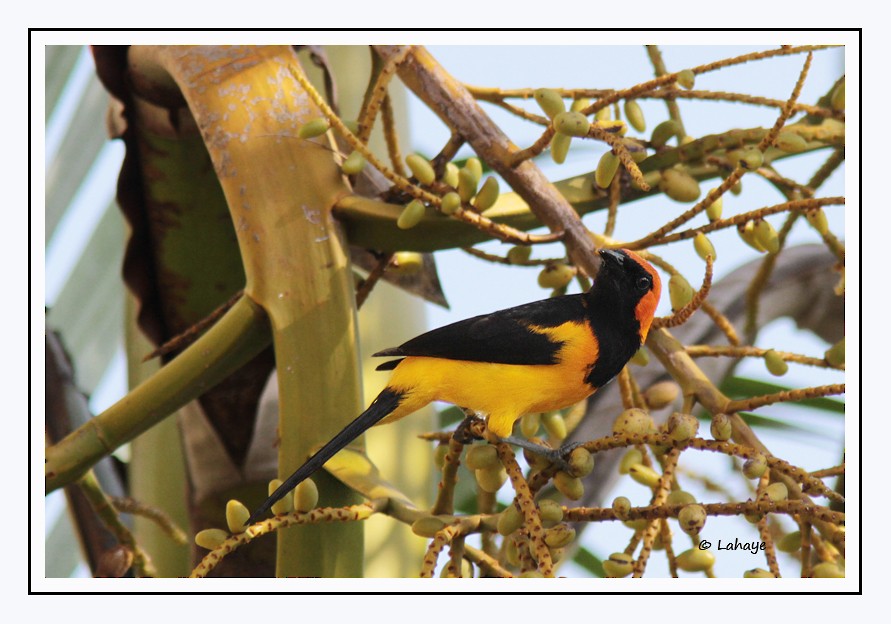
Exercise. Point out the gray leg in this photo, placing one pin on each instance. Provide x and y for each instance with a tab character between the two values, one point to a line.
555	456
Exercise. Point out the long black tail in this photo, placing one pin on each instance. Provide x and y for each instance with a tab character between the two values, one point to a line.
387	401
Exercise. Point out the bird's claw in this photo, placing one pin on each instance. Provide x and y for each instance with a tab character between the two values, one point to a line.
557	456
462	433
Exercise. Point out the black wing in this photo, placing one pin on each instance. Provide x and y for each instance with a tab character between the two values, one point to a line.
502	337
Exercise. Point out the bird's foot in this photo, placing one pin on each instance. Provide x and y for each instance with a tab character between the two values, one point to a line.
463	432
558	456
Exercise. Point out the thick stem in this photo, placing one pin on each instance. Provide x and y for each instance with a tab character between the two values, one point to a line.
240	335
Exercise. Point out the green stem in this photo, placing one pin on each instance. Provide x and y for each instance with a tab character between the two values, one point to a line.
371	223
240	335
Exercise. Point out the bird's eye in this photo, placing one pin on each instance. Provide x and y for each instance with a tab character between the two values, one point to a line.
644	283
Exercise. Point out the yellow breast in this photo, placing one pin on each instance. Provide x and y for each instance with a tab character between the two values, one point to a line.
504	392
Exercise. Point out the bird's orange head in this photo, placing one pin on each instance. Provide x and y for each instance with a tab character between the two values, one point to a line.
635	281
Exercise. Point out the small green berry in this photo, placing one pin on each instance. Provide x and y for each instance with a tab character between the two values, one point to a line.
767	236
518	254
581	462
556	275
529	424
621	506
559	536
827	569
755	467
704	247
482	457
236	515
682	426
421	168
679	291
283	505
791	142
641	357
663	132
467	184
644	475
560	147
550	102
837	100
715	209
555	425
680	497
606	169
572	124
634	115
619	565
550	511
747	233
571	487
679	185
487	195
634	421
721	427
835	355
490	480
775	363
353	164
580	104
631	457
451	202
450	175
692	519
661	394
818	221
406	263
509	520
313	128
411	215
306	496
695	560
686	78
790	542
210	538
777	492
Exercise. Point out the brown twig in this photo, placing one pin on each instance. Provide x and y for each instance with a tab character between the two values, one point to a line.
391	137
740	219
526	503
165	523
531	262
660	494
742	351
378	94
323	514
445	497
190	335
770	553
105	510
376	273
682	316
674	111
652	512
721	322
801	394
615	195
829	472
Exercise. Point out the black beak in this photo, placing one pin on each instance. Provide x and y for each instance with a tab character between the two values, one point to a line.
612	255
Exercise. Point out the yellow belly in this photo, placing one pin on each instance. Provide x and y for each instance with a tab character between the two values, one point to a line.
503	392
